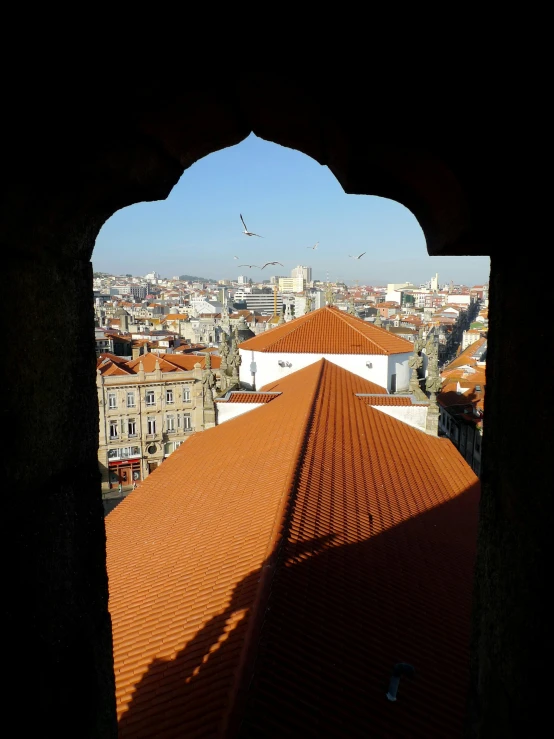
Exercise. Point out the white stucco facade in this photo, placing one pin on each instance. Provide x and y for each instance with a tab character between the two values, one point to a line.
227	411
415	415
463	299
270	367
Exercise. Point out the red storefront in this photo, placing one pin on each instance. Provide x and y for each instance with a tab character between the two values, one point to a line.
124	471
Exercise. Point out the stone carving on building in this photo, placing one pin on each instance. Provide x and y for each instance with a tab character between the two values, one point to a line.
223	371
329	295
309	304
378	322
208	383
433	384
416	362
234	360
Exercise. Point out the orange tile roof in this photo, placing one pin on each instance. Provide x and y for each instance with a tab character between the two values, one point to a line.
358	384
470	397
269	574
113	357
187	361
238	397
109	364
149	361
110	368
171	362
328	330
466	357
388	400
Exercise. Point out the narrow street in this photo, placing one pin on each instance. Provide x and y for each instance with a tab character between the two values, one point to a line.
113	497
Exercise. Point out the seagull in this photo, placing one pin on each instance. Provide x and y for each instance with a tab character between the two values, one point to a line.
314	246
246	231
265	265
358	257
235	257
249	265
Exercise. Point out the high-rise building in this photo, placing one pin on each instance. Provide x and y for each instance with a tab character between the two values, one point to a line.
301	271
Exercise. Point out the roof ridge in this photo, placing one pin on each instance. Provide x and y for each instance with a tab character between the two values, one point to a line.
343	318
272	559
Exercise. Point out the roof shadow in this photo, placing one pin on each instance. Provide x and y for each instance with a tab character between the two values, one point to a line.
324	639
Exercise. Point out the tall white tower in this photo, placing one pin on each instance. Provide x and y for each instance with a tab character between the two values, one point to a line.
301	271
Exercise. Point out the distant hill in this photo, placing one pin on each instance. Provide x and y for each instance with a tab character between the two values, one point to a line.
192	278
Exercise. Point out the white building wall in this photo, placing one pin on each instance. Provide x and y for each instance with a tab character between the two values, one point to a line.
459	299
302	271
394	296
415	416
299	305
470	337
399	366
227	411
382	367
318	296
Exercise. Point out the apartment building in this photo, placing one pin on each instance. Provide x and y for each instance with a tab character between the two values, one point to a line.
294	284
148	407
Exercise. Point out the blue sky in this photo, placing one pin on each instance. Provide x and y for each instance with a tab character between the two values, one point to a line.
292	202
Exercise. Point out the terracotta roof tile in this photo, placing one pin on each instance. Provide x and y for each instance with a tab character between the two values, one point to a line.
466	357
289	558
108	366
328	330
149	362
386	399
238	397
187	361
358	384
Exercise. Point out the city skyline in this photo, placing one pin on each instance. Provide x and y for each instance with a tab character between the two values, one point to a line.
292	203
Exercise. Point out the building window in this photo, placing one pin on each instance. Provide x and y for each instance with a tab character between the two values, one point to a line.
170	424
187	424
169	395
112	400
124	453
150	398
186	395
113	430
171	446
132	427
151	425
131	399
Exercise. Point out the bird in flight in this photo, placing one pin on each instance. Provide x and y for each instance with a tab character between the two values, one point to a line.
265	265
358	257
246	231
314	246
249	265
235	257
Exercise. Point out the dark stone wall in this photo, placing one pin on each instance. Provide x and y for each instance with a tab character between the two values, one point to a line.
512	623
71	156
58	636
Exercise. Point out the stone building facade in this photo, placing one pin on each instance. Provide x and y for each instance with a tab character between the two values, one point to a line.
147	409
